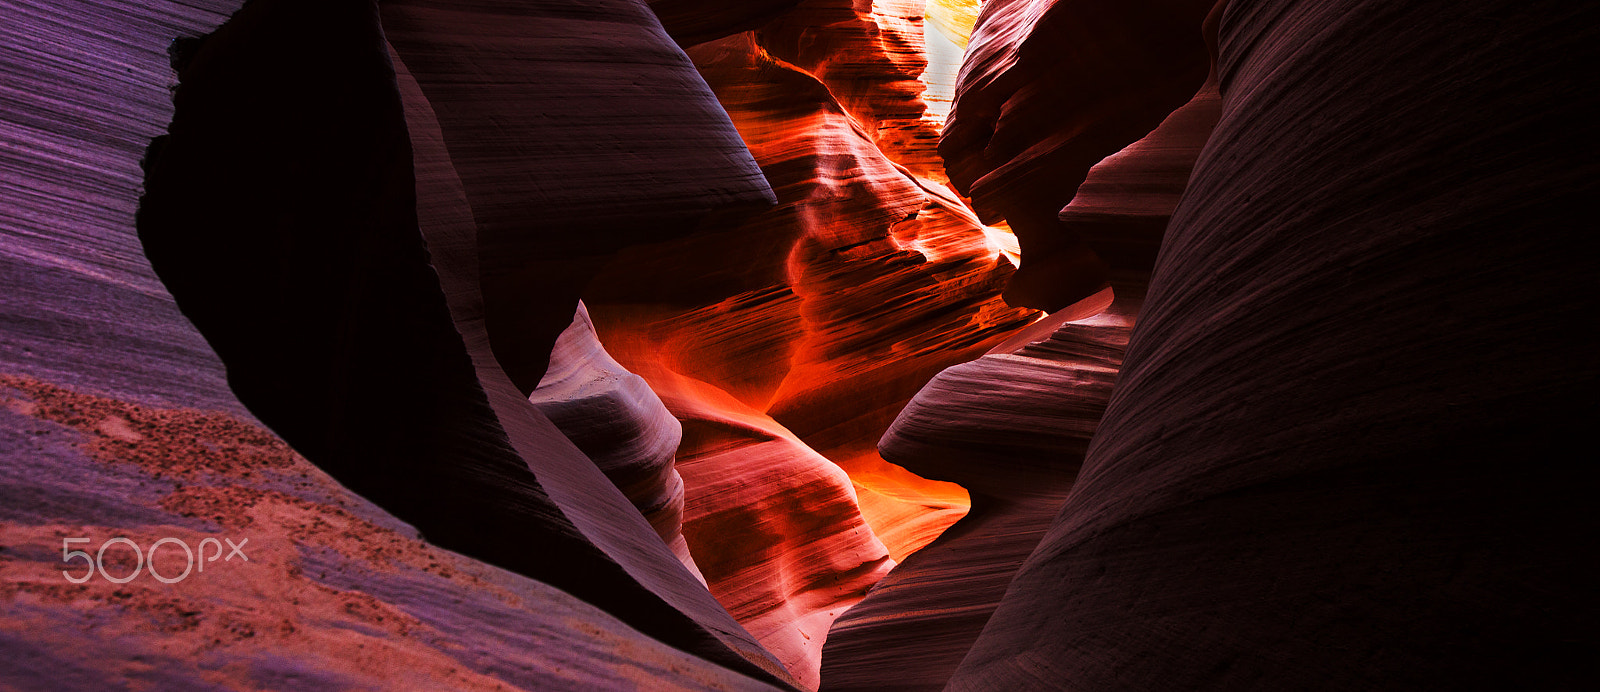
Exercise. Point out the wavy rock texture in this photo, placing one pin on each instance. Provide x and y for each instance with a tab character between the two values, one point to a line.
73	140
870	56
577	128
1047	90
1012	428
774	525
876	301
325	206
447	221
883	299
620	424
791	338
1123	206
1027	438
1339	454
149	442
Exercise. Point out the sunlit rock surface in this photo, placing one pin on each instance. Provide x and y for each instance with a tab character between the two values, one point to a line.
448	221
954	19
809	325
881	300
1340	451
945	50
869	55
801	294
774	525
819	320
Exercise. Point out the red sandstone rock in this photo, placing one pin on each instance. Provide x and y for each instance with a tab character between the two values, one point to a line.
1339	454
1009	426
774	525
869	55
885	298
825	313
448	224
1123	206
335	592
836	285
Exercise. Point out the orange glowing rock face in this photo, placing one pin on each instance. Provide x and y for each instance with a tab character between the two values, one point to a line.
872	60
786	342
873	299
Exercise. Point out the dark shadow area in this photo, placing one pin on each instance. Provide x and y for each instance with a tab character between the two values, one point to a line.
280	211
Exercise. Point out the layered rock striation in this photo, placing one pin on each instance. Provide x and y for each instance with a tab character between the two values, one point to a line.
620	424
891	279
1302	415
775	526
1339	454
283	215
786	342
870	56
1013	426
557	115
336	592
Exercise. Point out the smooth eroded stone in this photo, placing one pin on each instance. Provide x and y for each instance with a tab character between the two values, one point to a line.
576	128
291	238
447	221
1340	454
620	424
116	418
1012	428
812	323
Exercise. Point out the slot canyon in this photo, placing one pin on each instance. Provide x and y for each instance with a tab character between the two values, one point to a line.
798	345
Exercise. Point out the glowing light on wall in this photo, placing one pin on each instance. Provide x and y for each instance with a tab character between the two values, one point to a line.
952	21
